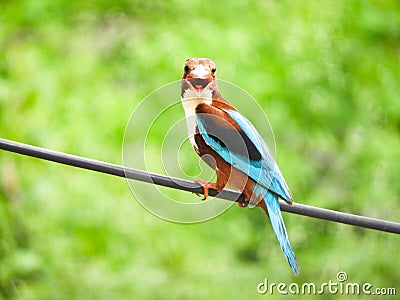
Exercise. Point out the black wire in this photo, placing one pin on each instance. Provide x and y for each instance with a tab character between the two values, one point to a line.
116	170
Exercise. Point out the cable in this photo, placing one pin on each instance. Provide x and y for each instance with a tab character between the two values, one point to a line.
189	186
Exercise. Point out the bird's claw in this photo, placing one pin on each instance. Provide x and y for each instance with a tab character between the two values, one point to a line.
206	186
243	204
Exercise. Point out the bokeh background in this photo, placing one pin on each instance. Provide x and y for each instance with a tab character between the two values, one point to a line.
326	73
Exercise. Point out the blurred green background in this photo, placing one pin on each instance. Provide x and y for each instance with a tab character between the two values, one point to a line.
326	73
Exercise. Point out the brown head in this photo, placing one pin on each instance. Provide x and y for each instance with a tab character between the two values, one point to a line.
199	75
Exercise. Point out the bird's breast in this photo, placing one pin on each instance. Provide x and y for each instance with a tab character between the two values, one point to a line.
190	100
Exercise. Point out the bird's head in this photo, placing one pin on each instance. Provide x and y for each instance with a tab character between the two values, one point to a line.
199	76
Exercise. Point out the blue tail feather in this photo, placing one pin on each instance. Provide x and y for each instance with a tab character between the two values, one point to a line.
274	212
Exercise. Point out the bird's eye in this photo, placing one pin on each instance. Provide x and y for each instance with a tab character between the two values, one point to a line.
214	69
186	68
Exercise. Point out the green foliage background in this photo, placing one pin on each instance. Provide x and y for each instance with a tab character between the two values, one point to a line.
326	73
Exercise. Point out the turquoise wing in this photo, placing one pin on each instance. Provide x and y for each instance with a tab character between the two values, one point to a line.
244	149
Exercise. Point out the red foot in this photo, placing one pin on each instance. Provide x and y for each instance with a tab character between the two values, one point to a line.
206	186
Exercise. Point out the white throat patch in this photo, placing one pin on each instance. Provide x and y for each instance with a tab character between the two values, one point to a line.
190	100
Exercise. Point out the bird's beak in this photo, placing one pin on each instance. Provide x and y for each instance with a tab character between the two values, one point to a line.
199	79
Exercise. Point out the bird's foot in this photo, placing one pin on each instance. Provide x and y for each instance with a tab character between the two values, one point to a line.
206	186
250	202
245	203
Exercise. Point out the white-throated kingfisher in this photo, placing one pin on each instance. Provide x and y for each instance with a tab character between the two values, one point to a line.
231	145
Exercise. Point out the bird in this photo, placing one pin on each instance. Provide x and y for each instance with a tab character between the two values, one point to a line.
230	144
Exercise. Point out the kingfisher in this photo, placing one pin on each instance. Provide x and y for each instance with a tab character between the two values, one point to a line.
231	145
